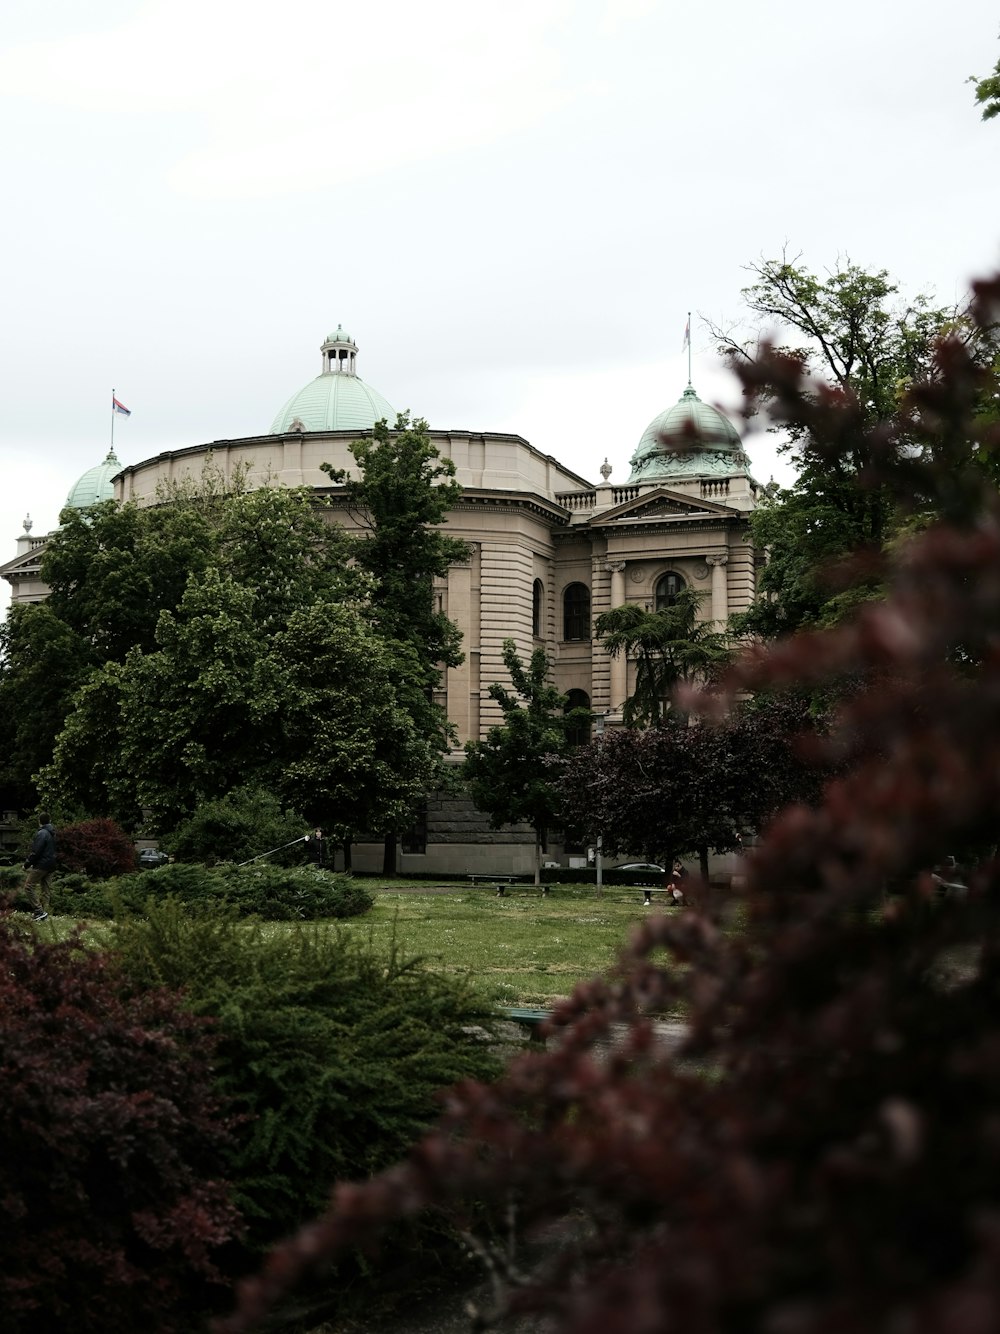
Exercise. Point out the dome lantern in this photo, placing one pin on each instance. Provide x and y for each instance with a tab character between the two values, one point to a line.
339	353
338	399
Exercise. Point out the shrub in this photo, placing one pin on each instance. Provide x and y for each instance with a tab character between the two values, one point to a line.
97	848
239	826
303	893
112	1212
832	1161
333	1050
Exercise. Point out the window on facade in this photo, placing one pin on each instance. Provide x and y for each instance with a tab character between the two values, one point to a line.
414	839
576	612
578	735
667	589
536	608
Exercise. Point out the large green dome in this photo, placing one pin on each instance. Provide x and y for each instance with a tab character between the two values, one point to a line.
338	399
95	484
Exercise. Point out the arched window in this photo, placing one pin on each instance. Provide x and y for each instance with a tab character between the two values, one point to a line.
576	612
667	589
536	608
579	734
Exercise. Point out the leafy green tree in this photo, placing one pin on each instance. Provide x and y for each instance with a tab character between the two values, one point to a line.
111	569
401	499
237	826
670	647
863	346
307	711
511	775
988	93
42	663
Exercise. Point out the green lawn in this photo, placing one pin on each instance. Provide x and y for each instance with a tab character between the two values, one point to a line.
521	949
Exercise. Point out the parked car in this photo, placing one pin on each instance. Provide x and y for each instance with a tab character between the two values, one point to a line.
149	857
647	868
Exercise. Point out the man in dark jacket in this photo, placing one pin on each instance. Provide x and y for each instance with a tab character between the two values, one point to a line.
40	863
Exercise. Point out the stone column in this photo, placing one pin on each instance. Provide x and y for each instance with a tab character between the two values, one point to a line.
619	663
720	592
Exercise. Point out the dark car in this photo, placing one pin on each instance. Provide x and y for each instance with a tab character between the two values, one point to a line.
647	868
152	857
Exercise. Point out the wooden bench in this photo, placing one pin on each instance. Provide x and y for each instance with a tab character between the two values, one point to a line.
498	880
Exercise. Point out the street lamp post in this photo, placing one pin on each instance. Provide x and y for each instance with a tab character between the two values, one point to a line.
598	862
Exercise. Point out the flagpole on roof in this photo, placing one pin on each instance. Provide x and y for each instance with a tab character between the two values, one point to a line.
112	421
689	347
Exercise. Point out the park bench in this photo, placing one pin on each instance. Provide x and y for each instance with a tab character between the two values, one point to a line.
528	1017
498	880
650	890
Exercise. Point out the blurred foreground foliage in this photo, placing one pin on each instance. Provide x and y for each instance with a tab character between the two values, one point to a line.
825	1152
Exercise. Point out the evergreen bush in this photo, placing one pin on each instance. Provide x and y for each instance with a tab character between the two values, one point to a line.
334	1052
275	893
112	1207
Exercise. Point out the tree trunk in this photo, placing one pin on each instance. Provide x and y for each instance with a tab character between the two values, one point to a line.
538	857
347	855
703	861
389	855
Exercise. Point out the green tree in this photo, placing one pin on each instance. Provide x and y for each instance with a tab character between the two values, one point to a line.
511	775
42	663
988	93
863	346
401	499
670	647
111	569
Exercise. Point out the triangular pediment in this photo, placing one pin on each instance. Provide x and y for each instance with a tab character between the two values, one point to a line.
662	503
25	565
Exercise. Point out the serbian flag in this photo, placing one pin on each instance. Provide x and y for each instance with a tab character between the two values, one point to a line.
120	407
687	335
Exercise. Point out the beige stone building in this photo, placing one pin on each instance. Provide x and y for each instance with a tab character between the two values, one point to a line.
549	551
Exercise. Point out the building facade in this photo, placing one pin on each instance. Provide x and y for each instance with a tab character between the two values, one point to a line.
548	552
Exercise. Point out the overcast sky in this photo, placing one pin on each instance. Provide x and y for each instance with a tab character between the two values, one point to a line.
511	207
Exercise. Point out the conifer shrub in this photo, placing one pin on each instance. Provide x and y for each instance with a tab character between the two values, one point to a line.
274	893
113	1211
824	1152
98	848
333	1051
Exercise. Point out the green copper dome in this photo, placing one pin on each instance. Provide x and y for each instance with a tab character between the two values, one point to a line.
95	484
690	439
338	399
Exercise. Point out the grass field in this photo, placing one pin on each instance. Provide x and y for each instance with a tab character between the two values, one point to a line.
521	949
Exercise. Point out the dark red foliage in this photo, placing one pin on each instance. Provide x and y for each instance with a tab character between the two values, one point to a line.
98	848
110	1133
676	789
823	1153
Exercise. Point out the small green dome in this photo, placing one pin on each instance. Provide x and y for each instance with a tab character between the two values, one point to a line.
339	335
690	438
690	424
95	484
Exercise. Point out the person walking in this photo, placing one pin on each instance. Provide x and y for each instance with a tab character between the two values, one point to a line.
40	863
